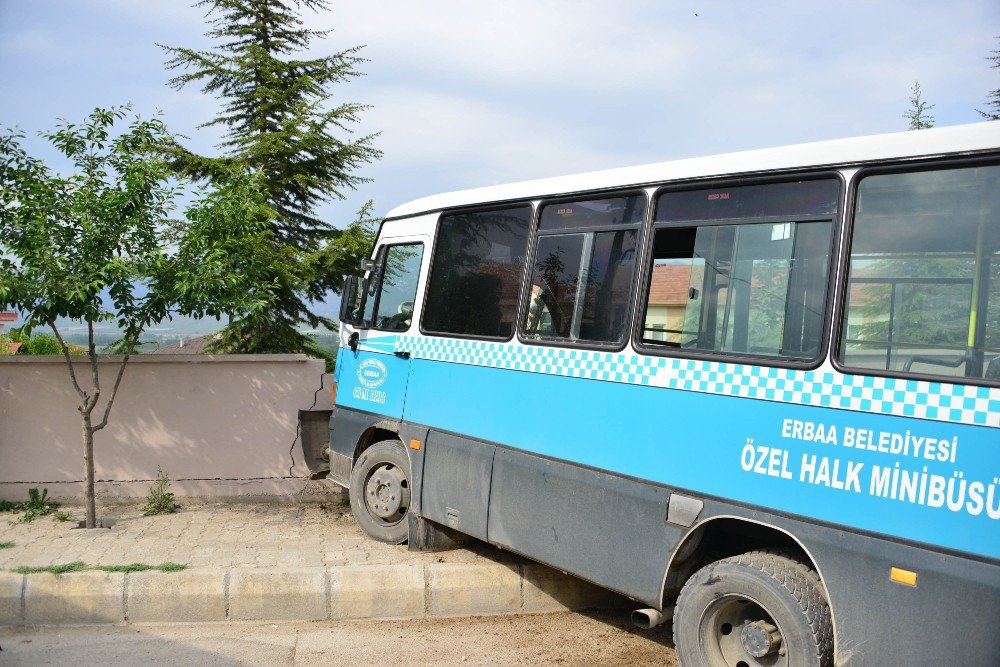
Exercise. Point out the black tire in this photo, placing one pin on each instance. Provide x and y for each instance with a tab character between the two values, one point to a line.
732	610
380	491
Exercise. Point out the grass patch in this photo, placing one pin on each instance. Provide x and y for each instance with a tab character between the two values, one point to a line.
131	567
75	566
80	566
142	567
63	516
170	567
6	545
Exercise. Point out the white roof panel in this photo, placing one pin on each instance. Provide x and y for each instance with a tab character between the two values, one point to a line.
900	145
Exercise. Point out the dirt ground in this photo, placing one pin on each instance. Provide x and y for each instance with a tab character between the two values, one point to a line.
603	638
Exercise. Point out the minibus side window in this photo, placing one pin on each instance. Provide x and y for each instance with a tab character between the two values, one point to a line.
583	270
742	270
923	286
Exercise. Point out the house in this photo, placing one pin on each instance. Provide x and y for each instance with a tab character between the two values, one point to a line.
669	293
190	346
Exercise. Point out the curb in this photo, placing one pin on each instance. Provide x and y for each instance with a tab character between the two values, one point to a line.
295	594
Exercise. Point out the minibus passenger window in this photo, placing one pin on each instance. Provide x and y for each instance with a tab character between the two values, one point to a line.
588	305
582	281
742	269
923	288
754	289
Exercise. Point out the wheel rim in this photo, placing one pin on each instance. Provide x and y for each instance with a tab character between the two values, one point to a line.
387	493
738	631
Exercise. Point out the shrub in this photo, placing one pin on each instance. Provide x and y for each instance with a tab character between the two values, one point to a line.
39	344
160	500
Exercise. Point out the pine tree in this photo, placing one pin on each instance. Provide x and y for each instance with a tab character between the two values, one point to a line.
280	121
918	114
993	101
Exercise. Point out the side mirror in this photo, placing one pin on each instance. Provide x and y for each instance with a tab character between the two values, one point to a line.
352	301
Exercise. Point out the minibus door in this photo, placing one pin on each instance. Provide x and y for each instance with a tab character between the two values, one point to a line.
377	310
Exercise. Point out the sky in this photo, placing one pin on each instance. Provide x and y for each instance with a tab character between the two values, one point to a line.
466	94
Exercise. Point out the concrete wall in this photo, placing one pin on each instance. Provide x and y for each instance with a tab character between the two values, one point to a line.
218	425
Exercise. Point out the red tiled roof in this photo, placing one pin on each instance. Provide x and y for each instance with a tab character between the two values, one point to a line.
7	316
12	348
670	284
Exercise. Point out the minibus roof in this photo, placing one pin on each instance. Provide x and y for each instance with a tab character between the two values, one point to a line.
954	140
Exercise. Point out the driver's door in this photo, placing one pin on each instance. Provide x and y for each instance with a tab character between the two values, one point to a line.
371	375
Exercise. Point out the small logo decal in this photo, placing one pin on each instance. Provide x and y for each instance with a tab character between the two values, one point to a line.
372	373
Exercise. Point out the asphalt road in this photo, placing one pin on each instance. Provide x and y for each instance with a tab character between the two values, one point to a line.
600	638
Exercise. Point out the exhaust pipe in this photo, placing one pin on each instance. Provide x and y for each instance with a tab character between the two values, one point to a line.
650	618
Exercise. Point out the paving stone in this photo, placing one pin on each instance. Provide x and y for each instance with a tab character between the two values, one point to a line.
377	591
461	589
184	597
77	597
278	594
244	539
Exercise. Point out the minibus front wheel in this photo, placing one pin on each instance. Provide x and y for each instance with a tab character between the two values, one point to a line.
754	609
380	491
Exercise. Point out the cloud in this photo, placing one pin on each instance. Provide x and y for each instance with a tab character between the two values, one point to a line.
32	42
489	140
514	43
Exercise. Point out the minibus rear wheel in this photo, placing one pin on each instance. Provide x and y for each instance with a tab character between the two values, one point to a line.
754	609
380	491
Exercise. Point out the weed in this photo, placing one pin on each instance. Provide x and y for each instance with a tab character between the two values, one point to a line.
170	567
63	516
131	567
142	567
75	566
6	545
160	500
37	504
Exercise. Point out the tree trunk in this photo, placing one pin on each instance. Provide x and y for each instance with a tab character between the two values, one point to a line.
88	465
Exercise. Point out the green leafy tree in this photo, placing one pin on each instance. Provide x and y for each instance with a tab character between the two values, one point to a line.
919	112
993	100
279	121
926	313
100	245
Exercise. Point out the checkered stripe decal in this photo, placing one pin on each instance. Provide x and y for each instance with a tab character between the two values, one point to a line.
825	388
630	369
821	388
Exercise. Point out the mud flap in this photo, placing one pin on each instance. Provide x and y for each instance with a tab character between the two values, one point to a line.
429	536
314	433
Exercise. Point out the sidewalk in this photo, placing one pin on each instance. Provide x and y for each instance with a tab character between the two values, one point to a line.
261	562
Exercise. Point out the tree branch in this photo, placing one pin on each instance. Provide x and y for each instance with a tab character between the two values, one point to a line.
69	361
114	390
95	379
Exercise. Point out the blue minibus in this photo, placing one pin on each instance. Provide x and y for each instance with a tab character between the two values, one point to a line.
757	393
